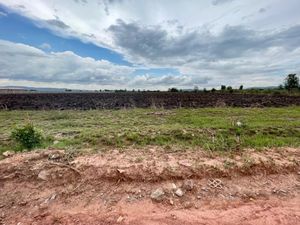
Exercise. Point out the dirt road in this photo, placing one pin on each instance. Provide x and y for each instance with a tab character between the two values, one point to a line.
151	187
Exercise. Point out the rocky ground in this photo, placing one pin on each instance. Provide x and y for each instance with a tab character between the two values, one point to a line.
151	186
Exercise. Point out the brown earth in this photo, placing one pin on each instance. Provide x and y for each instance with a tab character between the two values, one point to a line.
167	100
55	187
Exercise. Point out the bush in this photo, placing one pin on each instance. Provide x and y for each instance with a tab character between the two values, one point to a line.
27	137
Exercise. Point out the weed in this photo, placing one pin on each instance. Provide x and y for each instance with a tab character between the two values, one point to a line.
27	137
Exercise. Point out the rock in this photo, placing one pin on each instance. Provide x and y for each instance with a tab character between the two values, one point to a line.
188	205
188	185
43	175
171	201
238	123
50	198
179	192
120	219
121	171
55	142
8	153
170	187
158	194
54	156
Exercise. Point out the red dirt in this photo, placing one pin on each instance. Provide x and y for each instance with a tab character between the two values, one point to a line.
115	188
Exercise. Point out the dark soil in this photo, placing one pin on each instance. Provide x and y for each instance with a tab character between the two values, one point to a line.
44	101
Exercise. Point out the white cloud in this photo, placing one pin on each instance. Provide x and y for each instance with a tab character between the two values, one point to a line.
209	42
24	64
45	46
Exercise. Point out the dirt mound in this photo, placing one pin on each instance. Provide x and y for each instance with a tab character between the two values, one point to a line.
166	100
121	188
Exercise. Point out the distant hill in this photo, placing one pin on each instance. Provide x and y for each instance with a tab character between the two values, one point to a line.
42	89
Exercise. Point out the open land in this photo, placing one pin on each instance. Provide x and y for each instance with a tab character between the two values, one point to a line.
220	165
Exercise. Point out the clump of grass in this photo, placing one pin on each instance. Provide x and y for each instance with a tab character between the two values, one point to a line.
27	137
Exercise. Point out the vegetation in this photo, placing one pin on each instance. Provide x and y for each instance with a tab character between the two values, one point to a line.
209	128
291	82
27	137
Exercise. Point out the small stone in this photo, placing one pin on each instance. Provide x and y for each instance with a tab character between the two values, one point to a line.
55	142
188	205
179	192
43	175
188	185
54	156
170	187
8	153
121	171
158	194
120	219
171	202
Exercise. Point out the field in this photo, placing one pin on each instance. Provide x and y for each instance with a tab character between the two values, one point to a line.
217	165
166	100
214	129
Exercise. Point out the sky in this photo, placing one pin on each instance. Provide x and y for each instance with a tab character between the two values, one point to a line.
148	44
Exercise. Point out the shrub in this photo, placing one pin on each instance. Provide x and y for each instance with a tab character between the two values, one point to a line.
27	137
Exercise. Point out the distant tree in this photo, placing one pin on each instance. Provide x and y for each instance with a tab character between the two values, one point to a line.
213	90
223	87
229	88
280	87
204	90
241	88
291	82
196	89
173	89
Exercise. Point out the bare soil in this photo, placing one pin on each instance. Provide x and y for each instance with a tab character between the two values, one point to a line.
55	187
167	100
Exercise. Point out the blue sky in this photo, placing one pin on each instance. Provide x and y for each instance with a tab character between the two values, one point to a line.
17	28
97	44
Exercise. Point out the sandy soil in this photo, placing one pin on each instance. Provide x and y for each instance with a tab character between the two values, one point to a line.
54	187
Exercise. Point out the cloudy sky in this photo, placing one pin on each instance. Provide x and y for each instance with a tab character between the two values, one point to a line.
148	44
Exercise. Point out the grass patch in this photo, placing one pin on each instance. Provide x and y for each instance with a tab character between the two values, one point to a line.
209	128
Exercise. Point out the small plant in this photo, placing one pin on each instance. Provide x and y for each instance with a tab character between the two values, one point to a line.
27	137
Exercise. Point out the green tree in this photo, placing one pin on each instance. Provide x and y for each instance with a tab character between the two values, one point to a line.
291	82
223	87
229	88
173	90
241	88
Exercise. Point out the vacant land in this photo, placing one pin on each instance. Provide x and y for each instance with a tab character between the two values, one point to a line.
153	166
178	129
167	100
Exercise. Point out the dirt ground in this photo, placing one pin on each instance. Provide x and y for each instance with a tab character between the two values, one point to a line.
151	186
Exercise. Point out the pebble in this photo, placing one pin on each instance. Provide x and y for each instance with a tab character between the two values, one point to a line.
179	192
188	185
8	153
120	219
157	194
43	175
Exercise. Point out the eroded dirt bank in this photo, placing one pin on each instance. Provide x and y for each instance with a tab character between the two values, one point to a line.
151	187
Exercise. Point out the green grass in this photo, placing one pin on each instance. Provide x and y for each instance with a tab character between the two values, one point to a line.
208	128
